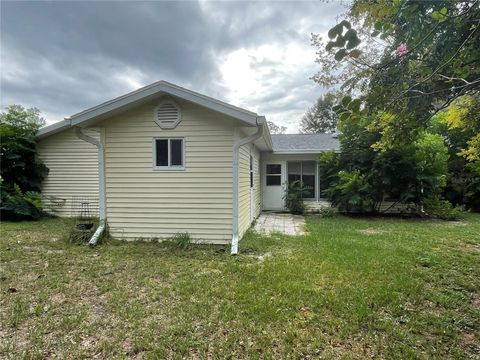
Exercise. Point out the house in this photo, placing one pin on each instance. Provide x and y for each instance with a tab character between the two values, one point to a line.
163	159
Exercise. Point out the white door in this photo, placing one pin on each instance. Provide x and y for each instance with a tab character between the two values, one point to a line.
273	189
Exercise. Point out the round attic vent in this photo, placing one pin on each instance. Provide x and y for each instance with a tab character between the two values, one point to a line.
167	114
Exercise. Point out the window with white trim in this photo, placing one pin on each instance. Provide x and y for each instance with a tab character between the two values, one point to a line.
303	171
168	154
274	175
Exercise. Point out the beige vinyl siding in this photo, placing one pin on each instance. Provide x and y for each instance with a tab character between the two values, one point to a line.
144	203
257	182
244	189
73	173
245	219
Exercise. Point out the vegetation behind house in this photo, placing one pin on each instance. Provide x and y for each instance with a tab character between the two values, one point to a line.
409	118
21	172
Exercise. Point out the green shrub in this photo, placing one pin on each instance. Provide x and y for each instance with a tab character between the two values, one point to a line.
351	192
21	172
294	197
442	209
22	206
328	167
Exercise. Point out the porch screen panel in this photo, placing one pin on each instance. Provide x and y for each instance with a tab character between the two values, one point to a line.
308	178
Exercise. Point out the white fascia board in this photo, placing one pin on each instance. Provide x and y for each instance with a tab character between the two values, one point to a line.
102	110
306	151
52	129
267	136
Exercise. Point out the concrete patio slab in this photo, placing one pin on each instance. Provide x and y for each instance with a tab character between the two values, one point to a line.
269	222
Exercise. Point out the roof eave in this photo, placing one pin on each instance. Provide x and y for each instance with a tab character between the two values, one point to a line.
300	151
53	129
267	136
150	91
111	107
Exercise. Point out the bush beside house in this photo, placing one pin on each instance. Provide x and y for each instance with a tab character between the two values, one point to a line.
21	171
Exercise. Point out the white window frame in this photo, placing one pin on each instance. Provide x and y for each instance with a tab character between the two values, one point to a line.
169	167
267	174
315	173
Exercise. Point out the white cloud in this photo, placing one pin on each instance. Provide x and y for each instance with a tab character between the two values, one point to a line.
271	79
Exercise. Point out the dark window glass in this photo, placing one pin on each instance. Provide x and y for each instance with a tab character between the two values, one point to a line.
293	177
161	149
309	183
274	180
176	148
251	179
274	169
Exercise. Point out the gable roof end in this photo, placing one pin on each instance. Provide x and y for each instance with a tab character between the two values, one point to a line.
142	95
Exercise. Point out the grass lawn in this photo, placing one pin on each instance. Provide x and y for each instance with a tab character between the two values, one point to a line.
352	288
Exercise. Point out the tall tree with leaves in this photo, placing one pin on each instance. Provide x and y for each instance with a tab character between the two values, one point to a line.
21	171
406	58
460	126
321	118
276	129
405	61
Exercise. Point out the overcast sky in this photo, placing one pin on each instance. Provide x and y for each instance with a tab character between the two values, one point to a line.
64	57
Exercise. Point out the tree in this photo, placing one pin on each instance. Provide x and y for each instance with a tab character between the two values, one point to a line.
321	118
409	59
360	178
463	116
21	171
405	62
276	129
460	126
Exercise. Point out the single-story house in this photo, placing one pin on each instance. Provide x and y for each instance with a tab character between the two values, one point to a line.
163	159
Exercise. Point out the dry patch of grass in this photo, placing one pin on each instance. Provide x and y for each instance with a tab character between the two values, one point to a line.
371	231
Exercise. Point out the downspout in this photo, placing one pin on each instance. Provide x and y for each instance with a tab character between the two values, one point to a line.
101	185
236	147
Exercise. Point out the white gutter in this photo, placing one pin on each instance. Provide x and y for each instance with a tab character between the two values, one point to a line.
236	147
101	184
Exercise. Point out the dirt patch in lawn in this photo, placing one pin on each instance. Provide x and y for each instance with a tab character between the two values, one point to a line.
371	231
457	223
469	247
470	343
476	300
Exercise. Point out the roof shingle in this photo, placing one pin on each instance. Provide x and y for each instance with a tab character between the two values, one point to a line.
299	143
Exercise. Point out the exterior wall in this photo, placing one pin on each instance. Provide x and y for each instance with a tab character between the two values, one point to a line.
143	203
73	175
257	180
314	206
387	207
247	211
267	157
